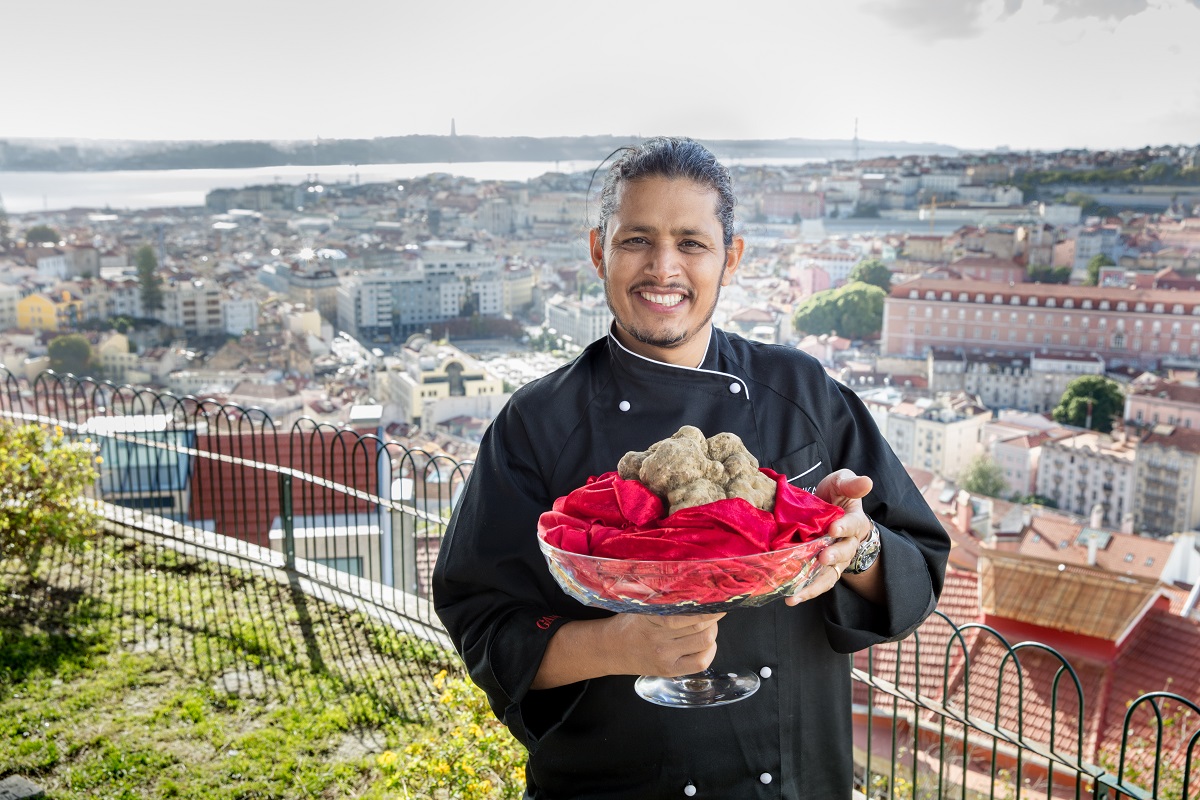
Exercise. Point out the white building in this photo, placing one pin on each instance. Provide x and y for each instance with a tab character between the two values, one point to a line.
365	307
1167	481
410	297
193	306
1094	241
427	373
1015	442
579	322
239	314
125	299
9	295
941	435
1027	382
1077	472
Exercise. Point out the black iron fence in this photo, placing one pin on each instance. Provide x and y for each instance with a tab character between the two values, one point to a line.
341	516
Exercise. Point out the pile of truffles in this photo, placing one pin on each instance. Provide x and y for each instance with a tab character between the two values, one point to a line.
688	470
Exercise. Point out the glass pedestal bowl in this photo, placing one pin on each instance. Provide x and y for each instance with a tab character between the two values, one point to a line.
687	587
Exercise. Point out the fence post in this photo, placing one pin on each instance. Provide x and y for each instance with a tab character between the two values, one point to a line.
287	520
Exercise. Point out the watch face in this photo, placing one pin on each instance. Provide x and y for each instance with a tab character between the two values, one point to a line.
867	552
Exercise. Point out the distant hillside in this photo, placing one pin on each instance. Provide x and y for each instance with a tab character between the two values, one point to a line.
88	155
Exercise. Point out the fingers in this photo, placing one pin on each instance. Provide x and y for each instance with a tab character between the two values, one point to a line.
669	645
684	623
825	580
844	486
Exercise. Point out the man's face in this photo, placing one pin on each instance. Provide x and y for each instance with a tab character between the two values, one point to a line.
663	262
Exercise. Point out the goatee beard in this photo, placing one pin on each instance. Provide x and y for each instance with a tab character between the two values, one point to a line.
665	342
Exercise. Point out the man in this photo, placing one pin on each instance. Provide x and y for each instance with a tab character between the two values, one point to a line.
559	674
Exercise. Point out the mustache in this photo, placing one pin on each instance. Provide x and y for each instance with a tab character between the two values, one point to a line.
658	288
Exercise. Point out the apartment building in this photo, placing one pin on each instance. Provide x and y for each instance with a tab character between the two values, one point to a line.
238	315
1151	400
786	206
125	299
1015	441
116	359
1167	480
194	306
556	214
1088	468
1119	324
517	285
50	311
940	435
1026	382
579	321
390	304
1094	241
365	307
9	297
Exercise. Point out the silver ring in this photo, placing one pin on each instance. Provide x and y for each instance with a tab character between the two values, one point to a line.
837	571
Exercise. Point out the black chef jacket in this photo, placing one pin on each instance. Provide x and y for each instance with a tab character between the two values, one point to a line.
596	738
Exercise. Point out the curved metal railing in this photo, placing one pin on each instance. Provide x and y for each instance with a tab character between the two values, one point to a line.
348	516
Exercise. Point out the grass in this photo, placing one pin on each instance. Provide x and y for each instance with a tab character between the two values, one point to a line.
129	671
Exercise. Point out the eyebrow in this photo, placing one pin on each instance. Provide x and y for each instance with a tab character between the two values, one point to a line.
676	232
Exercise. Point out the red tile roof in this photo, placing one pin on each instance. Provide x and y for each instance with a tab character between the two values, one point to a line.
1169	390
1185	439
1055	538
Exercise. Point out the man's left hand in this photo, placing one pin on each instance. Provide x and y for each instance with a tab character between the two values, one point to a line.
845	489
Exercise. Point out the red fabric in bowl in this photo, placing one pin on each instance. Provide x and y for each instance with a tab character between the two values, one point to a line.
610	517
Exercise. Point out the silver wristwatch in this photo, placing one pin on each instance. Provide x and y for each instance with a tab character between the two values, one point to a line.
867	553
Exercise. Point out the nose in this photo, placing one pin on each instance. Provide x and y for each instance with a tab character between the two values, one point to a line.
664	262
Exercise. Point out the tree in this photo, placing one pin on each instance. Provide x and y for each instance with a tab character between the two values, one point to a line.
40	234
70	353
149	279
1040	274
860	310
855	311
1038	499
817	314
468	307
1094	266
1090	401
1088	206
984	476
42	483
3	226
874	272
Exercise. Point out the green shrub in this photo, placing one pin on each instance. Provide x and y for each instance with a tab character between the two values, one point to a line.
43	479
470	756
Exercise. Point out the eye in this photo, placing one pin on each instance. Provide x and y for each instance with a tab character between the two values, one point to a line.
691	244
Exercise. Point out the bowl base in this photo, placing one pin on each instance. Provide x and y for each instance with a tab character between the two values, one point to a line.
700	690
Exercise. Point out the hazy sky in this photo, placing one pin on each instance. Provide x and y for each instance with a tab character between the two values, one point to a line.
972	73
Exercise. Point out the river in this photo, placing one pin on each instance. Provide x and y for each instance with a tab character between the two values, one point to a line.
24	192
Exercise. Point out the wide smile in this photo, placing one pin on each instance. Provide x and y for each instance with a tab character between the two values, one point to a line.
662	299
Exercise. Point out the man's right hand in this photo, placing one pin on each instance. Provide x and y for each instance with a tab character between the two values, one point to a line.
666	646
628	644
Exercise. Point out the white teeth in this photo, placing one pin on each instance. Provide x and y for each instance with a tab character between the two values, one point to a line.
667	300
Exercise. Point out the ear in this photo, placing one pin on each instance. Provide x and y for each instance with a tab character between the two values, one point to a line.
596	246
733	259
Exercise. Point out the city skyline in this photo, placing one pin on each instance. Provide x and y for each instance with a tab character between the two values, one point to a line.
976	74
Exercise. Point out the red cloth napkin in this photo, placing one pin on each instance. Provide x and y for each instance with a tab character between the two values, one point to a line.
610	517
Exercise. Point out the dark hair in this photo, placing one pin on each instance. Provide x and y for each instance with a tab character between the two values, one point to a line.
669	157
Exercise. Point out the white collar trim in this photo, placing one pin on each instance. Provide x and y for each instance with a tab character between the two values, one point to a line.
745	390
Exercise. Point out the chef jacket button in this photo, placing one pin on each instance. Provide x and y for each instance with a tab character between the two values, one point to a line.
766	672
689	790
765	777
623	405
735	387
